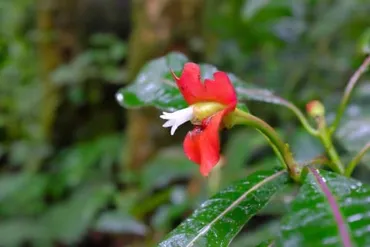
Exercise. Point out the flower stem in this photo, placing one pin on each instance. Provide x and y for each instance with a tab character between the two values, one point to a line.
286	103
325	137
241	117
347	93
351	166
302	118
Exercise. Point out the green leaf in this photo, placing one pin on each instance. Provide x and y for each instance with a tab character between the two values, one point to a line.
330	210
15	199
165	215
267	243
240	148
252	7
354	130
68	221
118	223
154	86
17	231
75	163
364	42
165	167
257	237
304	146
219	219
242	107
355	134
333	19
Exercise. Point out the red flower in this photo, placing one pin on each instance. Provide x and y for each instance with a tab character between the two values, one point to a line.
209	103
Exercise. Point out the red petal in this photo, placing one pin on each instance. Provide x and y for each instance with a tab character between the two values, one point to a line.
189	83
191	145
203	146
218	89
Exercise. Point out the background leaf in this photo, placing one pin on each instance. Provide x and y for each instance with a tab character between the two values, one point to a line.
68	220
166	167
119	223
330	210
220	218
154	86
354	130
304	146
258	237
13	232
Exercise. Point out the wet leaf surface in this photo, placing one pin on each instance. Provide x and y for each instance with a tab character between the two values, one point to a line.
154	86
219	219
330	210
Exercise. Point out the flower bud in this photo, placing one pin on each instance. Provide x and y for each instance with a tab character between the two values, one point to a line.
315	109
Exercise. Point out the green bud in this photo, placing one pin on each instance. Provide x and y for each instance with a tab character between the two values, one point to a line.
315	109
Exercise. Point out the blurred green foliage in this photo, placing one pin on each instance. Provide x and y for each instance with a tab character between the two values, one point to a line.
66	190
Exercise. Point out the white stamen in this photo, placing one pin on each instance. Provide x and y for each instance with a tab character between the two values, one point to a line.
177	118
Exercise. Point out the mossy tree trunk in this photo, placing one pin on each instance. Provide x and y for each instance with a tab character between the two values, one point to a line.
57	45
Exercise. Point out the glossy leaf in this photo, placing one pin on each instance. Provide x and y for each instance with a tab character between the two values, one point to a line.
219	219
154	86
330	210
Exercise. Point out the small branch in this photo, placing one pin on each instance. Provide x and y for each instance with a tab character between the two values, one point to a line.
336	163
280	101
347	93
351	166
302	118
325	137
241	117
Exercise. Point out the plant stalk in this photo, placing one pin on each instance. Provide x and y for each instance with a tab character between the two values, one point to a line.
325	137
347	93
241	117
352	164
302	119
